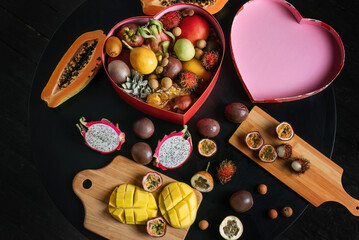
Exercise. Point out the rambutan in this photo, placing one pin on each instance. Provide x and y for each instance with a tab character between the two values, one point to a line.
210	59
225	171
188	80
171	20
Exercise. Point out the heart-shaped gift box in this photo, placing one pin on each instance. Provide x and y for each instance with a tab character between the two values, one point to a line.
158	112
281	56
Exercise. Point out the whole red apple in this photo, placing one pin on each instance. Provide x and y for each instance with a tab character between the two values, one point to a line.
194	28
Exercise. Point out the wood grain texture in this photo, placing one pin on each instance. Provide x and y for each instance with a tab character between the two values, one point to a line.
95	199
321	183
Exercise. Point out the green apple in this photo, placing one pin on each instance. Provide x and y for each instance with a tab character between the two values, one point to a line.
184	49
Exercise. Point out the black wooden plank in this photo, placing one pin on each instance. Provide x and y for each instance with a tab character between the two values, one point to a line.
35	14
65	8
24	39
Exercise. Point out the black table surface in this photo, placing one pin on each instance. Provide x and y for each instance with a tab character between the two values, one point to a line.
19	177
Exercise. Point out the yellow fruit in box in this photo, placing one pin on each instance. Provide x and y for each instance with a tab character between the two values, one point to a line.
178	204
132	205
195	66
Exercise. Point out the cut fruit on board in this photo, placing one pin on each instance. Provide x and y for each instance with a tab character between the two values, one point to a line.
321	183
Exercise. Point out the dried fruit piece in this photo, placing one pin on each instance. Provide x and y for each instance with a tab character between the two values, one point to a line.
207	147
285	131
254	140
151	181
131	205
267	153
178	204
231	228
287	211
173	150
203	181
102	135
262	189
203	225
225	171
156	227
272	214
300	165
284	151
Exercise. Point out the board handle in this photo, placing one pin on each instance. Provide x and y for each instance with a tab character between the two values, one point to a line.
349	202
81	183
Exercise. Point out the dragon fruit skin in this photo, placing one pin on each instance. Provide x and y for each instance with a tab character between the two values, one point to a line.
181	134
85	126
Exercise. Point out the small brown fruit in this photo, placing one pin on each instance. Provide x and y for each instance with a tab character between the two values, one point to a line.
203	225
287	211
166	83
176	31
272	214
153	83
201	44
198	53
262	189
152	76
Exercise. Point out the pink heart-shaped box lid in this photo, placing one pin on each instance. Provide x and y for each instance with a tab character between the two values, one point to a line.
280	56
154	111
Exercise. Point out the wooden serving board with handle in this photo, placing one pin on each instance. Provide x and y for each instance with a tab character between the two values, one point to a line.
95	199
321	183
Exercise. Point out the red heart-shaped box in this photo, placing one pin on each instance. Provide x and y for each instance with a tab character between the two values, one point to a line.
154	111
281	56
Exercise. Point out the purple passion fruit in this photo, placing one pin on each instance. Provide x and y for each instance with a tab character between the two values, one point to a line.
254	140
231	228
236	112
143	128
267	153
208	127
207	147
241	201
156	227
142	153
285	131
151	181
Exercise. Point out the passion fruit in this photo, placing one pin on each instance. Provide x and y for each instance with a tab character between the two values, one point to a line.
285	131
208	127
254	140
151	181
207	147
202	181
231	228
241	201
143	128
267	153
156	227
236	112
142	153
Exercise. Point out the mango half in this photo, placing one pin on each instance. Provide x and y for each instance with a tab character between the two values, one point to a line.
132	205
178	204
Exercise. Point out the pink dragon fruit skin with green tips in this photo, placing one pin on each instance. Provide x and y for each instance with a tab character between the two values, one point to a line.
102	136
173	150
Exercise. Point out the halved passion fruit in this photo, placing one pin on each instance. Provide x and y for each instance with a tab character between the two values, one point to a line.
156	227
254	140
207	147
151	181
284	131
231	228
202	181
267	153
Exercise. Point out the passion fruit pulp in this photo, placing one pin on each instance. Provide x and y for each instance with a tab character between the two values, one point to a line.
151	181
267	153
285	131
254	140
231	228
202	181
156	227
207	147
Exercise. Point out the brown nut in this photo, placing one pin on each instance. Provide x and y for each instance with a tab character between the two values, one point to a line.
203	225
262	189
272	214
287	211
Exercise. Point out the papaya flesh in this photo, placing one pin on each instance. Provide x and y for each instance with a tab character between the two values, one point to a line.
76	68
152	7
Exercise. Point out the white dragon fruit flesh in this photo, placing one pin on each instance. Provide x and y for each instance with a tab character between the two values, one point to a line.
102	135
173	150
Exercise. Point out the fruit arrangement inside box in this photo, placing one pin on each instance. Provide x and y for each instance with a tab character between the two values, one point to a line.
167	63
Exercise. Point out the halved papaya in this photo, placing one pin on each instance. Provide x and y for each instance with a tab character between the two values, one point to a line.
76	68
152	7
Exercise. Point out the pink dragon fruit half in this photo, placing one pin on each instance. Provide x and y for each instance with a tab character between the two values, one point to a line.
173	150
102	135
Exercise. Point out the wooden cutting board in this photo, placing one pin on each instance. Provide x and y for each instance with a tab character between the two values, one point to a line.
95	199
321	183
